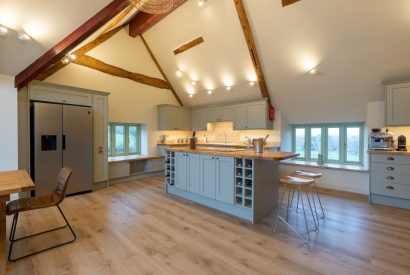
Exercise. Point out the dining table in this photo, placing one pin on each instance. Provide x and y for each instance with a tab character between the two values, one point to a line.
10	182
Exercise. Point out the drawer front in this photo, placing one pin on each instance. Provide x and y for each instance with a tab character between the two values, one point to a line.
391	190
390	168
386	158
49	94
391	178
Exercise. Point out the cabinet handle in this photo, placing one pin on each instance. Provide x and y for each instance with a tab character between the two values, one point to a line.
213	158
390	178
390	158
390	168
100	149
389	187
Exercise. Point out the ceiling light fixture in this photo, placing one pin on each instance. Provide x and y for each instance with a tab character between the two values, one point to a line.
65	60
251	83
314	71
191	95
153	6
3	31
72	56
210	92
23	37
201	3
193	83
228	88
179	73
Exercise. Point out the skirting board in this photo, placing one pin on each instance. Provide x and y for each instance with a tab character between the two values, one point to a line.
395	202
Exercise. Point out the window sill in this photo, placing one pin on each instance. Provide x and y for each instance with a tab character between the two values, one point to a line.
341	167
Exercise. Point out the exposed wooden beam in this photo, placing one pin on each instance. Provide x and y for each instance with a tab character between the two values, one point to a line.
189	45
160	69
68	43
99	65
288	2
142	21
80	52
117	19
243	18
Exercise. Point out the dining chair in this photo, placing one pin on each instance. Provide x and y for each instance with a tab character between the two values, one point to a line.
26	204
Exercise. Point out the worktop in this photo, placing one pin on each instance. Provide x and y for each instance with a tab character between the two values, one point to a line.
248	154
384	152
219	144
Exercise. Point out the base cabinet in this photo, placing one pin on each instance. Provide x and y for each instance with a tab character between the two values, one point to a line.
225	179
181	170
208	176
194	176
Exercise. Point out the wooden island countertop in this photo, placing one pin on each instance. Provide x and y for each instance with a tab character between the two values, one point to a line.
267	155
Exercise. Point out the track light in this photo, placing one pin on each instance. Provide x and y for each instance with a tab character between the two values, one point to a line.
210	92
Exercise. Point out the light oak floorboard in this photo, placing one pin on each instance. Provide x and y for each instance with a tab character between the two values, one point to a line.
135	228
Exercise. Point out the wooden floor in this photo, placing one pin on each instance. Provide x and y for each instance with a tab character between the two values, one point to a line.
135	228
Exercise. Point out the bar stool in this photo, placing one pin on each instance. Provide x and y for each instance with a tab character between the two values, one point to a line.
300	185
313	175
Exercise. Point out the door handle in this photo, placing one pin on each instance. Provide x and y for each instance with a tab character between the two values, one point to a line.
64	142
100	149
389	187
390	178
390	158
390	168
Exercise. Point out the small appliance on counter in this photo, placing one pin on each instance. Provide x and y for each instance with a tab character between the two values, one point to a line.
192	142
381	140
401	143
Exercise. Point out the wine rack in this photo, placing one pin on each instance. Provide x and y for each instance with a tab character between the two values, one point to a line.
244	179
170	168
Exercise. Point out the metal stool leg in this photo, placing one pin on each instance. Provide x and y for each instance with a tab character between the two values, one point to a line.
314	215
304	215
320	202
280	207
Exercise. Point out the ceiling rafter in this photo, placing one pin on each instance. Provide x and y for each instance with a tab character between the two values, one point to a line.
246	28
96	64
69	42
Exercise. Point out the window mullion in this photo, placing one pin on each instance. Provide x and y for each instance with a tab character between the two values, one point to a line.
343	146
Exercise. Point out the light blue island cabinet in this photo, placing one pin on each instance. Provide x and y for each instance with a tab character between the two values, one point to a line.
242	184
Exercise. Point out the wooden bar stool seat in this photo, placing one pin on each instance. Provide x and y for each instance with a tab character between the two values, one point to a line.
302	185
312	175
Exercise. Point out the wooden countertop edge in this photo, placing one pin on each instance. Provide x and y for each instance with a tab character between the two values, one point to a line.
276	156
135	159
382	152
269	145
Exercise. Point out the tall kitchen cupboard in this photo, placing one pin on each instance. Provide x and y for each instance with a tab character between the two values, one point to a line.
39	91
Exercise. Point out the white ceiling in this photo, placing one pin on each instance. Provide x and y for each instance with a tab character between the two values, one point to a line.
46	21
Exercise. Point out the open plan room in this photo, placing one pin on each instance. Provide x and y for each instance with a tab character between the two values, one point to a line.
204	137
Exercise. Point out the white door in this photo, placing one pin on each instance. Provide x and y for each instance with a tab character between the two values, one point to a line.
100	109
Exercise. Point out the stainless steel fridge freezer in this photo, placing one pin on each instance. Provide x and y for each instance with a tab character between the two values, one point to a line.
61	135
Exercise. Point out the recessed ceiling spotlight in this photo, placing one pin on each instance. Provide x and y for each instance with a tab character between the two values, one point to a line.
72	56
228	88
210	92
201	3
314	71
23	37
179	73
3	31
191	95
193	83
251	83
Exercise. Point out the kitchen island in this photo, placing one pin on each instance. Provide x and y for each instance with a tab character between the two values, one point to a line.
239	182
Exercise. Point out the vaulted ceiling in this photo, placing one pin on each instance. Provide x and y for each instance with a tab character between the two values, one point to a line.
354	45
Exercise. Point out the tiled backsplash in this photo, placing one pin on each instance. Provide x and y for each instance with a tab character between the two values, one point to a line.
220	132
398	131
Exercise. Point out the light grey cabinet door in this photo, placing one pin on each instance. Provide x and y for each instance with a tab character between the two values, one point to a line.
194	174
181	170
397	104
208	177
239	117
214	114
256	115
100	111
227	113
225	179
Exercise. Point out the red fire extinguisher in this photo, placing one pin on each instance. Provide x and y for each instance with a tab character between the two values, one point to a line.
271	113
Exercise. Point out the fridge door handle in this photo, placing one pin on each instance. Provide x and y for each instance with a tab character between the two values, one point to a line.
64	142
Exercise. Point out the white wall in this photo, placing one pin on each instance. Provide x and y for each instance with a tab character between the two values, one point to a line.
129	101
8	123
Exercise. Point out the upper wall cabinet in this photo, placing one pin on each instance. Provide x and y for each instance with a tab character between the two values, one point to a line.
173	118
397	104
252	116
199	119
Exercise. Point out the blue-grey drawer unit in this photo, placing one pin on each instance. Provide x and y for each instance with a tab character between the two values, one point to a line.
390	179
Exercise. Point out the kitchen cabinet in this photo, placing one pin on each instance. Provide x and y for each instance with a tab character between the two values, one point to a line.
239	122
100	110
224	179
397	98
181	170
194	173
390	179
200	118
227	113
214	114
207	174
252	116
219	114
173	118
60	94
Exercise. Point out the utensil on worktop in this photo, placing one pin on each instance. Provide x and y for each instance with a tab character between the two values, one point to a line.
266	138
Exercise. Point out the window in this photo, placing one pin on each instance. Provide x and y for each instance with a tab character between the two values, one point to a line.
338	143
124	139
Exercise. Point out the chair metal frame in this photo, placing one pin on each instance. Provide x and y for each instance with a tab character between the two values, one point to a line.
13	233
